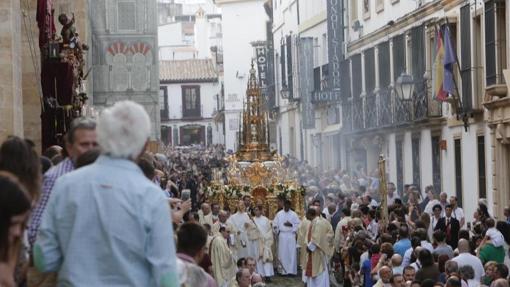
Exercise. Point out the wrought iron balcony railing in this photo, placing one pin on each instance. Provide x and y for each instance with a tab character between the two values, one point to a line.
385	109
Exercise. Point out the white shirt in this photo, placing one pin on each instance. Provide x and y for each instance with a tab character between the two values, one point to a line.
458	214
473	261
407	257
373	229
425	244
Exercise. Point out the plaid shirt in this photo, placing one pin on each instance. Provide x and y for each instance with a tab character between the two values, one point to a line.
49	179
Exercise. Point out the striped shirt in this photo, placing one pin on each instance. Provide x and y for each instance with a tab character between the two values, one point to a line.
49	179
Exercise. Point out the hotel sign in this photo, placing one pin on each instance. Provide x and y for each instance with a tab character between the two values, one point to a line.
335	52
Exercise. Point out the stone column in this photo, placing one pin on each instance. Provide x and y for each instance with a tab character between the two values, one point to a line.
31	80
11	102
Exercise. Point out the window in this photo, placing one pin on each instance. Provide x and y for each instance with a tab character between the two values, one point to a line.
163	103
418	55
399	56
384	65
166	135
316	47
458	170
465	57
369	71
436	163
356	74
289	66
191	101
317	79
354	10
126	15
482	179
479	61
282	65
495	41
400	166
345	78
416	160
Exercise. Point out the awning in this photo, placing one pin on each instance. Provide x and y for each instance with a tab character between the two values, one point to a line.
331	129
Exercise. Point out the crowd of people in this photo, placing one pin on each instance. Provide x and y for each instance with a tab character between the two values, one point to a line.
101	211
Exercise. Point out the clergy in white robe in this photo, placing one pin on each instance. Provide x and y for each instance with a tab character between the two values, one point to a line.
222	221
286	224
319	250
223	264
302	242
241	222
265	256
205	215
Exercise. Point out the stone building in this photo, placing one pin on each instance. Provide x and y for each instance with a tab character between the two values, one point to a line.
124	56
20	96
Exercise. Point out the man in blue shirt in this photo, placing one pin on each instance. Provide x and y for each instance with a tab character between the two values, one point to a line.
106	224
403	243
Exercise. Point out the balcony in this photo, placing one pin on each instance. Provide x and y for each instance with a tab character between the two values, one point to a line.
385	109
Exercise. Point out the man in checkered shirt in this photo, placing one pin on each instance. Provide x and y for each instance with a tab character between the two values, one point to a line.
80	138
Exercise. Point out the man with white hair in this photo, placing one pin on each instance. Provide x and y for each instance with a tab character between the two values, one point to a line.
106	224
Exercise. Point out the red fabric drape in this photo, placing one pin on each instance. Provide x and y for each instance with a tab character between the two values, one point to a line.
45	21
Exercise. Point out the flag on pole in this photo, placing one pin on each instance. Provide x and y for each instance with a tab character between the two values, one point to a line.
438	69
449	61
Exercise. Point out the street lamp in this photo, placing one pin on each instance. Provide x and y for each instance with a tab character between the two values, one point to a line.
405	86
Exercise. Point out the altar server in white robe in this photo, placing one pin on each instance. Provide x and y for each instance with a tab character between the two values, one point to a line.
286	224
241	221
265	257
319	250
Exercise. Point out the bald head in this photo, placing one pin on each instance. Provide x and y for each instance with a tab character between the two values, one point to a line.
396	260
206	208
223	216
331	208
463	246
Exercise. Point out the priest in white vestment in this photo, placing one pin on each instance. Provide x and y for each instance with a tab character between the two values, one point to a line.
286	224
222	221
241	222
319	250
205	215
265	256
223	264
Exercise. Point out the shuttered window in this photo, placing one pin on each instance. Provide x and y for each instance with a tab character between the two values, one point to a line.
490	43
384	64
289	65
356	76
399	56
465	57
369	71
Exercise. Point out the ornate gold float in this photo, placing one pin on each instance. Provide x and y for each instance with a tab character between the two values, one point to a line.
254	170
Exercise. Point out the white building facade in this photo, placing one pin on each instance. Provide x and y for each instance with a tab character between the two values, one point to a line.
243	23
424	141
189	99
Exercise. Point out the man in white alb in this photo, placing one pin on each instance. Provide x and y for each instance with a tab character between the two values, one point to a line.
286	224
241	222
265	258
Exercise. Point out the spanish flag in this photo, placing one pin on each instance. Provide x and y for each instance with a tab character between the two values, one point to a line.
438	69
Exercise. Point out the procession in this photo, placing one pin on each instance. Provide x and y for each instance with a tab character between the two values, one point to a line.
250	143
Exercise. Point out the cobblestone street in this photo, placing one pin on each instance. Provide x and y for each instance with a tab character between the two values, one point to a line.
280	281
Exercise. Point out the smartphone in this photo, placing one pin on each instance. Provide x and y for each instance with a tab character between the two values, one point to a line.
185	194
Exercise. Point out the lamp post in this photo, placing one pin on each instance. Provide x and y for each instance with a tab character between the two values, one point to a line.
405	86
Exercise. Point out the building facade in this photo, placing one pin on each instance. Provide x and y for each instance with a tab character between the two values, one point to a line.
125	55
189	97
459	147
448	145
